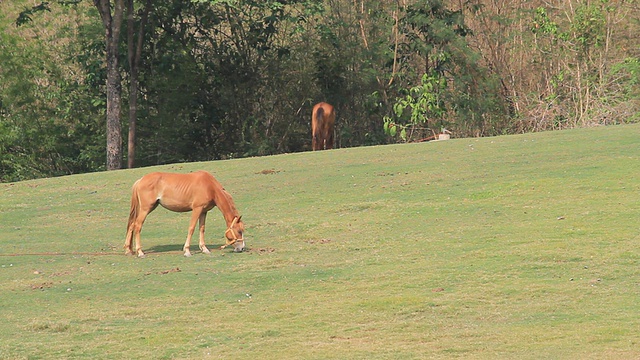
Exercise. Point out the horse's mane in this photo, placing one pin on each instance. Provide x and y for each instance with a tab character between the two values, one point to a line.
229	199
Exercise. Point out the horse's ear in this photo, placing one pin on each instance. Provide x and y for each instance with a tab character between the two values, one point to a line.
239	217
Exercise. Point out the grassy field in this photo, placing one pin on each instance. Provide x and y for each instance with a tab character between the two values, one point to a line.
514	247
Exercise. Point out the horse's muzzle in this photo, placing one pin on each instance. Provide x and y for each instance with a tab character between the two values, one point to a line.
235	243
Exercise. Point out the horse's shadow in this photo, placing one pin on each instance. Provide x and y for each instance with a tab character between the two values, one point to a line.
177	248
165	248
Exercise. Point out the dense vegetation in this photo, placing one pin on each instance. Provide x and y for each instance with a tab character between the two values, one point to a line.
214	79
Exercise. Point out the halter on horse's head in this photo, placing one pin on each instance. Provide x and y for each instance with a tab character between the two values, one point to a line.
234	235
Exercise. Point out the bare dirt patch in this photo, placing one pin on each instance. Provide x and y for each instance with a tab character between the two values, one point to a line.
261	251
268	172
319	241
165	272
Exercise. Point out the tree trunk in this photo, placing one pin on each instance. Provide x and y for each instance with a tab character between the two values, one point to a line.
134	54
112	25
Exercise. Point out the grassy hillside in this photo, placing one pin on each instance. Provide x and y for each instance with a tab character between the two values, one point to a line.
510	247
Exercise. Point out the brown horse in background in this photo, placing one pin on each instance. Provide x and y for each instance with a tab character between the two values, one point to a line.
198	192
323	119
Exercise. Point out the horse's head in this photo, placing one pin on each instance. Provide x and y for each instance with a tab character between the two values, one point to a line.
235	235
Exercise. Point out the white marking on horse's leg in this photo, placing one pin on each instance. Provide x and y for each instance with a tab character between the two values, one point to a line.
138	243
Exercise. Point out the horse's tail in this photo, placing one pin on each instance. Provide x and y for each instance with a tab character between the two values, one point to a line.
133	213
320	115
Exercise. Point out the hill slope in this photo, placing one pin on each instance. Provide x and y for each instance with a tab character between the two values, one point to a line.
509	247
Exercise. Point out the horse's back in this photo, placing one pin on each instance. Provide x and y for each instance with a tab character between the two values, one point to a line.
177	192
167	178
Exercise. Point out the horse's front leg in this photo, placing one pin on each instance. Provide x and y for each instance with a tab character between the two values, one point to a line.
195	214
201	221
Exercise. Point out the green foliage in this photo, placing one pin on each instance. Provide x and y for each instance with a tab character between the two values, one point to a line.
542	23
589	27
49	126
421	106
627	77
454	91
234	78
582	64
630	67
218	93
26	15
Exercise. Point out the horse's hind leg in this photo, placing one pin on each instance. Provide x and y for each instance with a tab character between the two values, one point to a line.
329	141
128	249
137	227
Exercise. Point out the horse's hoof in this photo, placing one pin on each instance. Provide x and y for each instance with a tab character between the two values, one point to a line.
187	254
206	251
141	255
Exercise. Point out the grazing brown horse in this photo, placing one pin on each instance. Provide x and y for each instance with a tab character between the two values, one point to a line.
197	192
323	119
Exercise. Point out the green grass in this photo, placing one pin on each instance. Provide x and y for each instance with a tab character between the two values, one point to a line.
515	247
